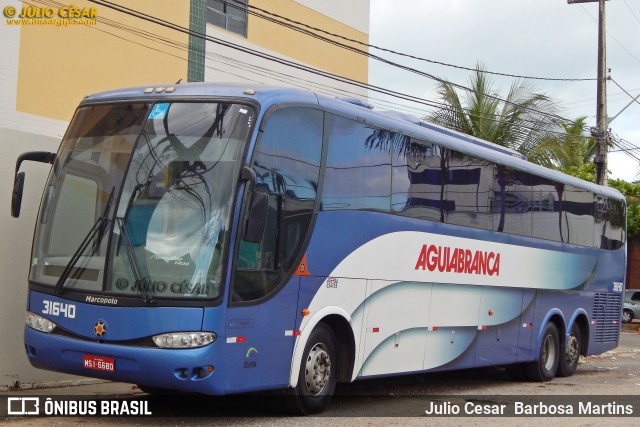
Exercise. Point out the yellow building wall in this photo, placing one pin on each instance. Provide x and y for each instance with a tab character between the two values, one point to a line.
307	49
60	65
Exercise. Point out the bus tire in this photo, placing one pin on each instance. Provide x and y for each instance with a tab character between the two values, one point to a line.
570	354
546	365
318	373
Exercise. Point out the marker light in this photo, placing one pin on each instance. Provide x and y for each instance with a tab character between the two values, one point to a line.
184	339
39	323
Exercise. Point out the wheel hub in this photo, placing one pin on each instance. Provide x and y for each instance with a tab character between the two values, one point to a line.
573	350
317	369
548	352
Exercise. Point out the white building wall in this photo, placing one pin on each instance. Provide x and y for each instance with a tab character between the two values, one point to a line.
19	132
354	13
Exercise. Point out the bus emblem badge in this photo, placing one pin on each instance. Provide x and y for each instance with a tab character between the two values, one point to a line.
100	328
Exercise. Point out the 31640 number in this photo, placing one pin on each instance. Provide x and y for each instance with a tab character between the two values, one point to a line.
56	308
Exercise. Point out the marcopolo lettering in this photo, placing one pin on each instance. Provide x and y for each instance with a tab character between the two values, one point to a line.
458	260
100	300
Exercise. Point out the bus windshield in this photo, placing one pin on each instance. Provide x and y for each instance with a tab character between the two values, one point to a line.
139	200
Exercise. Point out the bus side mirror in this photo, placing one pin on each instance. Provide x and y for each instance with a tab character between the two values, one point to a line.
16	196
18	183
256	217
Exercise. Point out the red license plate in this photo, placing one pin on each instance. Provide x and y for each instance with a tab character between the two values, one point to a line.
99	363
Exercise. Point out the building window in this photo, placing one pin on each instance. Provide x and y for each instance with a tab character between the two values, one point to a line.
228	14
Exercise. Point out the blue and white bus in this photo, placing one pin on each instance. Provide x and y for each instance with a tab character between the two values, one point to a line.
224	238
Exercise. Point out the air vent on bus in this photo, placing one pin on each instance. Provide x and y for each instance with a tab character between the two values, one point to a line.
606	313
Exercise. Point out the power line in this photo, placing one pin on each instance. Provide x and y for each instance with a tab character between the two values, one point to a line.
631	10
624	146
612	37
218	57
158	21
589	101
184	47
291	21
634	98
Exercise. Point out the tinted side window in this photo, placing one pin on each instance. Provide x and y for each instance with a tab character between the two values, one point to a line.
286	161
287	156
545	216
468	192
358	173
577	215
609	223
419	181
512	201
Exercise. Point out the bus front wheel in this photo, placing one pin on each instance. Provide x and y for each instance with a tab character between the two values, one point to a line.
318	373
545	367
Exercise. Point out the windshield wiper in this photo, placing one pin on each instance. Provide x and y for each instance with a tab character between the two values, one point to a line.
133	260
98	228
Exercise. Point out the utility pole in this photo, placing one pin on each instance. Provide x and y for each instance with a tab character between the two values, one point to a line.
600	133
601	113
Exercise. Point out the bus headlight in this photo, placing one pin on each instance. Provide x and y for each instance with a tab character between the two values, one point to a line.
184	339
39	323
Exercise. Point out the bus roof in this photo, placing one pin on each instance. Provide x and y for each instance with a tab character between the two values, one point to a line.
268	96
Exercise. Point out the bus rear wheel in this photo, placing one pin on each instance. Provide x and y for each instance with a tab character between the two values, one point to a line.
571	354
318	373
546	366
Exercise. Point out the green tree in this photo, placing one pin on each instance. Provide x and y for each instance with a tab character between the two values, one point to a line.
631	192
521	122
569	149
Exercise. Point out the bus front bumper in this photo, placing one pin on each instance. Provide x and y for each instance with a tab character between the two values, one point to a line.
192	370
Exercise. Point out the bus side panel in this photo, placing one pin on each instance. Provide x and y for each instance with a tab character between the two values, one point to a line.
526	336
395	328
498	326
259	340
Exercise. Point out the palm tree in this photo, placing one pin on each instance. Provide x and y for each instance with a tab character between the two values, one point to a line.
522	121
571	150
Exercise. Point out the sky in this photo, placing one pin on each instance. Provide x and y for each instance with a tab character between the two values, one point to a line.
540	38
